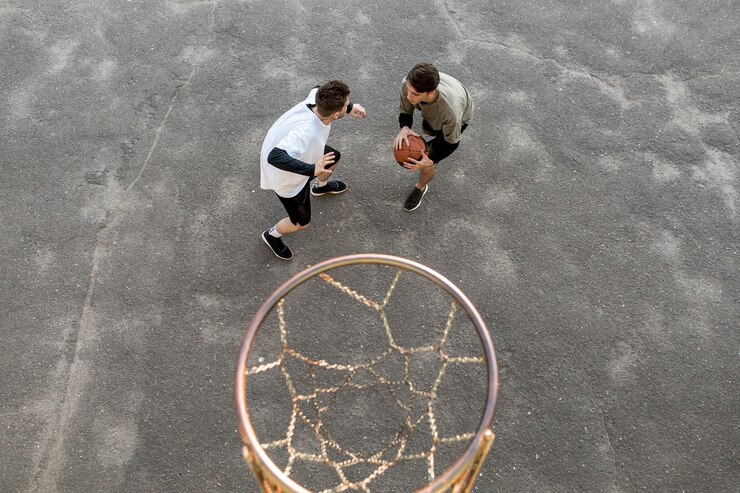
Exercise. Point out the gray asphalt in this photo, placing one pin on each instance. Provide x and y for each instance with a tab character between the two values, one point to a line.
591	214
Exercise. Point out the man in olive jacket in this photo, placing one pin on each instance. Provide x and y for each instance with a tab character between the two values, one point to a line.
446	109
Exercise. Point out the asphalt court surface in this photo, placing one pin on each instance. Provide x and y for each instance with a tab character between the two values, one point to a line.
590	213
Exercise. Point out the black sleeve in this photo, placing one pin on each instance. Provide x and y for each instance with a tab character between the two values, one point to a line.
282	160
405	120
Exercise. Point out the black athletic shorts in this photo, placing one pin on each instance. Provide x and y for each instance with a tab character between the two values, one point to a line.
438	147
299	206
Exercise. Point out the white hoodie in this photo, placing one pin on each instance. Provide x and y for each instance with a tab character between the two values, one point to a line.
303	136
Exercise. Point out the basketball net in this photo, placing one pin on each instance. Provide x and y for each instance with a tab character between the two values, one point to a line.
458	478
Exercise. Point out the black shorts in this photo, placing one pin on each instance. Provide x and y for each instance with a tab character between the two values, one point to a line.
438	147
428	128
298	207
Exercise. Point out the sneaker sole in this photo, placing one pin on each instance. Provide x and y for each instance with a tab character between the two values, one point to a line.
417	205
273	251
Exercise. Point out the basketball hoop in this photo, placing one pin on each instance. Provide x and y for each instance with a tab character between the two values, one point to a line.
459	477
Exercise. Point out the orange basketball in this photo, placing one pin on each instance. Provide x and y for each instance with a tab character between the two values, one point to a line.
413	150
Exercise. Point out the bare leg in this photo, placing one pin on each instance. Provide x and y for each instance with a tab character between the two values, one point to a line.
425	176
285	227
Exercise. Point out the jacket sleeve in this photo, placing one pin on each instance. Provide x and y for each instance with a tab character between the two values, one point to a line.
282	160
451	130
406	117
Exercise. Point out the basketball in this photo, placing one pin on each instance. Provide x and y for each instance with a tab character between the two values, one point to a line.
413	150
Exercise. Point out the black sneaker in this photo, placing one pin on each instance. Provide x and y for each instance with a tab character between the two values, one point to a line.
334	186
277	246
414	199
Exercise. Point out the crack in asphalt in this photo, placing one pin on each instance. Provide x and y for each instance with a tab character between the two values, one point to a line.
46	470
615	92
611	447
173	100
612	89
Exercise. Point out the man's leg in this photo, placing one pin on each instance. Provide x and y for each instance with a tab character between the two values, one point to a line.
323	177
413	201
299	216
425	176
439	149
323	184
285	226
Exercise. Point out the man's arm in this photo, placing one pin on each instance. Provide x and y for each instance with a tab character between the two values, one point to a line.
403	134
441	146
356	110
406	116
284	161
405	120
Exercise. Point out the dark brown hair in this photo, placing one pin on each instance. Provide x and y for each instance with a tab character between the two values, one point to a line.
424	77
331	97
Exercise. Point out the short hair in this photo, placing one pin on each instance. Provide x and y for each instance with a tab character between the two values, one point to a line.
331	97
424	77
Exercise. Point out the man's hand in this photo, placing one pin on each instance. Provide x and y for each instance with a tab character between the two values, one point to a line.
326	160
358	111
403	136
413	164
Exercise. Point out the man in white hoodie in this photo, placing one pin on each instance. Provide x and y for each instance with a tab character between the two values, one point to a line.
294	152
